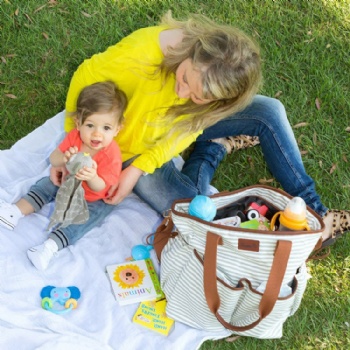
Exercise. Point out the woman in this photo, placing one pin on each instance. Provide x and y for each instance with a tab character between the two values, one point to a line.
182	78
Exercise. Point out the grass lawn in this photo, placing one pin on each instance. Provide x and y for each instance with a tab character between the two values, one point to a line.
306	51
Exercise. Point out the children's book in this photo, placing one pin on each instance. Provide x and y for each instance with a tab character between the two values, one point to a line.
134	281
151	314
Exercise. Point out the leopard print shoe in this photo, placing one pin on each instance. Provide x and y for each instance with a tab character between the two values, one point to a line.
231	143
340	225
235	143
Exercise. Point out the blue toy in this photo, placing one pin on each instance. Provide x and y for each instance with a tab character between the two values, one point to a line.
202	207
65	296
140	252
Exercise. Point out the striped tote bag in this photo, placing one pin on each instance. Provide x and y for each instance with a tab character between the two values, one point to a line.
233	280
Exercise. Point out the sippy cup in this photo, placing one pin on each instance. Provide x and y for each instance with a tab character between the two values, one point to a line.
293	218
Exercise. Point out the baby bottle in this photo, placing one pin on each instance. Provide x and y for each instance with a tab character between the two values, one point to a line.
293	218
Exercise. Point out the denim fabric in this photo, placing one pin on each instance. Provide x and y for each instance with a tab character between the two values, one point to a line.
264	117
69	235
44	191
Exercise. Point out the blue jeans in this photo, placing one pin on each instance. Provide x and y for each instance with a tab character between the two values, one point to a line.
264	117
44	191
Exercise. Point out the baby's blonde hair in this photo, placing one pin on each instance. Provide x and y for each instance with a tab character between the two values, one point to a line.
232	74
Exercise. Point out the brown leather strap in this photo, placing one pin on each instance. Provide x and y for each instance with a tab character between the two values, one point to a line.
273	286
319	253
162	235
210	286
318	245
274	283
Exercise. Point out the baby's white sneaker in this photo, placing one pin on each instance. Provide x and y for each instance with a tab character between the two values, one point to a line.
41	255
9	215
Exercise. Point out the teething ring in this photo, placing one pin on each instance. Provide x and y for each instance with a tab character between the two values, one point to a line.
54	298
46	303
71	303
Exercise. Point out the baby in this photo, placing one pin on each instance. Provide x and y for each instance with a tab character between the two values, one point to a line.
98	119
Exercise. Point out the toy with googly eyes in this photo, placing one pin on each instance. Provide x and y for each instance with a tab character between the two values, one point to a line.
256	219
64	296
249	215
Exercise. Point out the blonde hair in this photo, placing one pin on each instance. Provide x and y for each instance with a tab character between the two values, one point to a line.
101	97
231	74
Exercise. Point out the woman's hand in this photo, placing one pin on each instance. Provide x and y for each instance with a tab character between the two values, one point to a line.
58	174
127	181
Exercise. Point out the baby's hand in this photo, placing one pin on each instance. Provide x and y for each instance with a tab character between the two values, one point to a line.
86	173
68	154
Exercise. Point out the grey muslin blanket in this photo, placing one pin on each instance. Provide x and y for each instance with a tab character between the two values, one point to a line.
71	207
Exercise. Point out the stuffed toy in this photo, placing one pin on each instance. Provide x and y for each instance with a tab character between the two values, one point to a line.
71	207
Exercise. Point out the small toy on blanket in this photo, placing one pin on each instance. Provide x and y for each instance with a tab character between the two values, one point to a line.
65	296
71	207
140	252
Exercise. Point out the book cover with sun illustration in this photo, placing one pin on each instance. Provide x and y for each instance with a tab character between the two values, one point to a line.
134	281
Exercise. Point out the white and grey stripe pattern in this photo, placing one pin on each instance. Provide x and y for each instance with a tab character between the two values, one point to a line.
182	270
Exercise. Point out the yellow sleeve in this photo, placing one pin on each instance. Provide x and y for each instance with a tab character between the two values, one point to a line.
162	152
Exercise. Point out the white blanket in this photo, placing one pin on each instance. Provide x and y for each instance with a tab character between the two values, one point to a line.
98	323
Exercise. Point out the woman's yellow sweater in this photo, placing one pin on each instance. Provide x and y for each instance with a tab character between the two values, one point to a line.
130	64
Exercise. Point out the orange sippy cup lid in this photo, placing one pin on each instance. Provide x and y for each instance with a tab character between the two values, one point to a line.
294	215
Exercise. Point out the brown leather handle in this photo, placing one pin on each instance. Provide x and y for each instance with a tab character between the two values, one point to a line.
162	235
273	286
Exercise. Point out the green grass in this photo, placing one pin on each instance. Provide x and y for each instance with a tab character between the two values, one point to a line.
306	51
